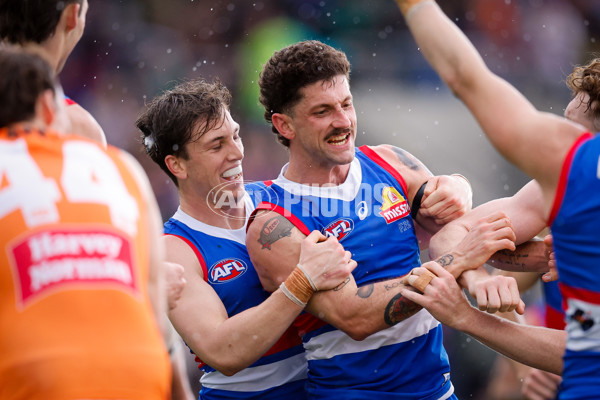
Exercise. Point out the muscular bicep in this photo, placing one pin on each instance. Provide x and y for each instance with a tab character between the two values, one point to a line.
273	244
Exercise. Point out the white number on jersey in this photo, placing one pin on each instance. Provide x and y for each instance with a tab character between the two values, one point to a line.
24	187
88	176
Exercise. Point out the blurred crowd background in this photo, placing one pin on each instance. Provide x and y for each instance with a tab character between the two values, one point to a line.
134	49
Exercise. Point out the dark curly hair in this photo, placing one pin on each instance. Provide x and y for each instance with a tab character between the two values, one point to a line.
170	121
294	67
24	21
586	79
24	76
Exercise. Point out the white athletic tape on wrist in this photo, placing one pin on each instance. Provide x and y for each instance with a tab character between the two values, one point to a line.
291	295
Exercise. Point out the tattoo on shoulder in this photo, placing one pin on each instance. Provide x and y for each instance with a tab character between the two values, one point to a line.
406	159
274	229
341	285
398	309
445	260
365	291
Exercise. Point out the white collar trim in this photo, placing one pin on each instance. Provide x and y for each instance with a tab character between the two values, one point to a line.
236	235
346	191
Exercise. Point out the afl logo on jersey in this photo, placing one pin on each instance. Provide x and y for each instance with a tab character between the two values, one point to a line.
394	205
226	270
339	229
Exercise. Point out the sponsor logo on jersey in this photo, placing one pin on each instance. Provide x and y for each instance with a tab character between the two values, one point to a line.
339	229
394	205
583	318
49	261
362	210
227	270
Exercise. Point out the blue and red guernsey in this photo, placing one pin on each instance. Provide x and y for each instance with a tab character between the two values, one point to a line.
554	316
281	372
575	224
370	215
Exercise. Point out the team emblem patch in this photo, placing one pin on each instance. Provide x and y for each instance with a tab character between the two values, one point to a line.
227	270
394	205
339	229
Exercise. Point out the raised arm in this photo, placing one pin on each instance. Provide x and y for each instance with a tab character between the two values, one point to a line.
358	311
232	344
531	136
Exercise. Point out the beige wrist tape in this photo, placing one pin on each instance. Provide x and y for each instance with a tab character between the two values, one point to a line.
297	287
312	284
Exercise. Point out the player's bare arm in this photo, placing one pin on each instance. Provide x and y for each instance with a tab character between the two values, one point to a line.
527	217
530	136
273	245
537	346
214	337
362	311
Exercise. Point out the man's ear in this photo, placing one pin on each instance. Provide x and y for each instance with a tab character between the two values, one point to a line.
176	166
45	107
71	15
283	124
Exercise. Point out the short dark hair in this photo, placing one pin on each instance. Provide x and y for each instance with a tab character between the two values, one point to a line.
170	120
586	79
24	76
24	21
294	67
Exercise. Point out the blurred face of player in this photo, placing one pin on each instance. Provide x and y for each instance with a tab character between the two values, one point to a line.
324	124
576	111
215	163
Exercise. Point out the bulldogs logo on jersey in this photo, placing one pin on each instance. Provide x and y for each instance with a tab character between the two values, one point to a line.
339	229
227	270
394	205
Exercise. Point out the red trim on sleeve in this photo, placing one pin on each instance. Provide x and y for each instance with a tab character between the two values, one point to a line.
279	210
564	176
369	152
588	296
198	254
268	183
69	102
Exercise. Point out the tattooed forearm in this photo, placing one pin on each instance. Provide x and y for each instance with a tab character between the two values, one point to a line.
445	260
398	309
392	285
516	261
273	230
341	285
405	159
365	291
